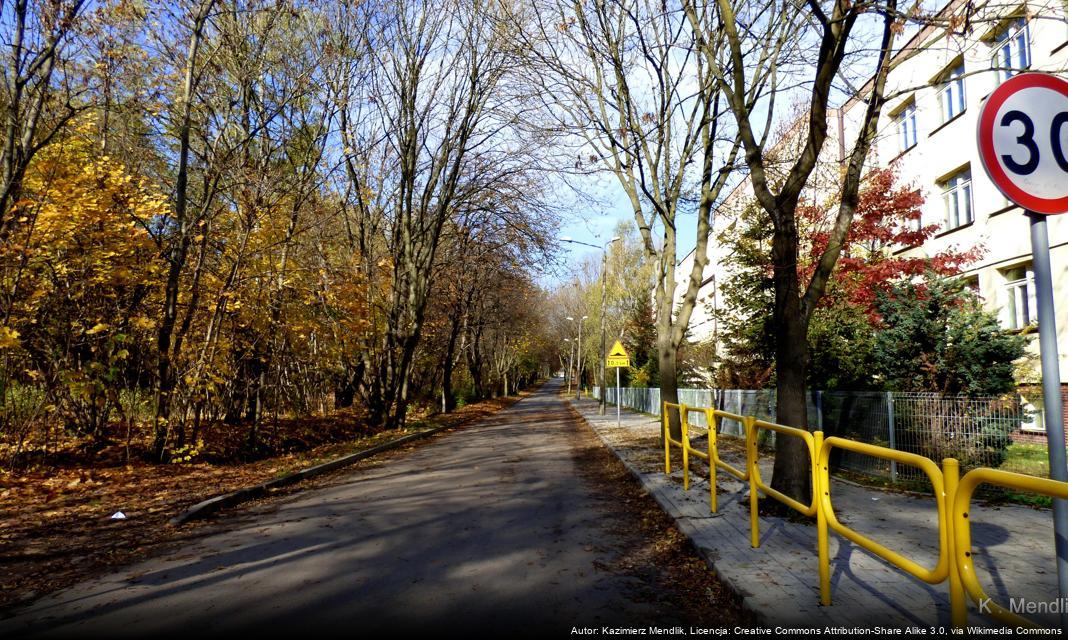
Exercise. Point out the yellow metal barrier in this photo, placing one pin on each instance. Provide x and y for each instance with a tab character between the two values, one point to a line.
813	441
688	450
664	422
933	576
711	416
711	456
962	531
952	498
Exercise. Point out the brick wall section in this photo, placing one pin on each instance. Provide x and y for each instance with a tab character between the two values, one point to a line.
1039	437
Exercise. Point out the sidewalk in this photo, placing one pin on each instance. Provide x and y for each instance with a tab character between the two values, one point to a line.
1013	544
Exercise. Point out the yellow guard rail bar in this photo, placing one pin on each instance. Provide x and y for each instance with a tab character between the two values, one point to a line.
688	450
962	530
813	441
666	433
940	482
712	417
711	456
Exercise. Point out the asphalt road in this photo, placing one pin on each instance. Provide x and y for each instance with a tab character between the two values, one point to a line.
489	529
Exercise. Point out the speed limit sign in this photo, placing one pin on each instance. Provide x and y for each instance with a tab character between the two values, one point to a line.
1023	141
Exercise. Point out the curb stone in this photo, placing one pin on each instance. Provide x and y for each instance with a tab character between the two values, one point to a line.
211	505
683	525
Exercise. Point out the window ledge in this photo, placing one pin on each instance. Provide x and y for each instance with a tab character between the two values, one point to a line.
901	250
954	229
900	154
947	123
1008	207
1035	430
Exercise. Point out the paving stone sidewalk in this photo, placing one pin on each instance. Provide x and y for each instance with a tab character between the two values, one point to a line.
1013	545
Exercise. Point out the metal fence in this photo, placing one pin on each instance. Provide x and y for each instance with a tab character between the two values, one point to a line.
974	430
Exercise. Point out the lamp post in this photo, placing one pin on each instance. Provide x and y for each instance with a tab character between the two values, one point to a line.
604	304
570	361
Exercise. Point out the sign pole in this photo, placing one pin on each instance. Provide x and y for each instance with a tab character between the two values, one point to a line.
619	399
618	358
1051	392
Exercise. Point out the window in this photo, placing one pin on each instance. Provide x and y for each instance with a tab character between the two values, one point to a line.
916	224
957	196
1019	310
1012	52
1034	417
905	122
951	95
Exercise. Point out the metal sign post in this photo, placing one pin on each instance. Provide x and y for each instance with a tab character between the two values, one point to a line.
1051	389
619	398
1023	143
618	358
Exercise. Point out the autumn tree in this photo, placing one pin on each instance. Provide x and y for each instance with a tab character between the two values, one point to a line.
250	210
79	281
840	334
244	139
40	92
419	117
495	239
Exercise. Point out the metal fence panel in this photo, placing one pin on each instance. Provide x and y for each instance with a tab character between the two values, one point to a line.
975	430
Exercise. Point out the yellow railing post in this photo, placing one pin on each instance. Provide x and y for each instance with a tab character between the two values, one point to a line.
667	440
684	424
821	488
958	603
713	455
751	463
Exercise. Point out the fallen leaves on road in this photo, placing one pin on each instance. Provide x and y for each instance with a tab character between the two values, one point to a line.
654	551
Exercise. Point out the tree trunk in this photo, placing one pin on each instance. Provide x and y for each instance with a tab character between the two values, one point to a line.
448	395
167	377
669	383
792	472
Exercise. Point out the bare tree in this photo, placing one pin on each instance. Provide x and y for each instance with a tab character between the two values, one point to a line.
38	99
419	115
752	48
623	78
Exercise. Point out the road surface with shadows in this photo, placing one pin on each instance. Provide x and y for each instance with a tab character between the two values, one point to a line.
495	528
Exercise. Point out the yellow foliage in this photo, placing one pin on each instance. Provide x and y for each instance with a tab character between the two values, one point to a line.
8	338
100	326
87	240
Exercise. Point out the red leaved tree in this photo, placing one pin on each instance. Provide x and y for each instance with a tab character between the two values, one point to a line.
875	254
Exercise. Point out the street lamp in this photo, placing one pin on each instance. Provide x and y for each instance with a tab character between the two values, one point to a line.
604	303
570	361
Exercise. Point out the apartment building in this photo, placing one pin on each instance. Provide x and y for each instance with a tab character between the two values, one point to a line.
939	81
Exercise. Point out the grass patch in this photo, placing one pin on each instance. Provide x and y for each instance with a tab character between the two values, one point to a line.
1032	459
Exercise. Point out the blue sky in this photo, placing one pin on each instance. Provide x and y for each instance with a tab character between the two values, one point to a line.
595	222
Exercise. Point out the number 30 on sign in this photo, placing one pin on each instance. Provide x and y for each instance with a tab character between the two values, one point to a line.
1023	141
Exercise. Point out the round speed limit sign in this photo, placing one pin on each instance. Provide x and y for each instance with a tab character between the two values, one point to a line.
1023	141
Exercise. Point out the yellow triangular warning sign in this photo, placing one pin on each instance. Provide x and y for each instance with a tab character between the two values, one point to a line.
618	350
